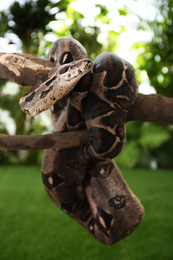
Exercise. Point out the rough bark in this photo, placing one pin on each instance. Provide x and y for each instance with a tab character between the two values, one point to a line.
27	70
23	69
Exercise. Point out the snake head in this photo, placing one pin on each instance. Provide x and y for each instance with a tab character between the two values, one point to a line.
70	73
60	82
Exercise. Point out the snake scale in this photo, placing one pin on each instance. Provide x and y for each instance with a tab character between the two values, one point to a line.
84	181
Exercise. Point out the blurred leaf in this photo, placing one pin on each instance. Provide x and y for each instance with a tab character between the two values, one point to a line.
123	12
4	23
158	54
153	136
129	155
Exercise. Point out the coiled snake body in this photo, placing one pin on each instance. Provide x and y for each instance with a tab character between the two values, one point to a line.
84	181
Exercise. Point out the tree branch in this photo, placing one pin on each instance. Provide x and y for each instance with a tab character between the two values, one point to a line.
152	108
39	142
27	70
23	69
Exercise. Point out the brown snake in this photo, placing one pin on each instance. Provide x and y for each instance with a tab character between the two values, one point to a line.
84	181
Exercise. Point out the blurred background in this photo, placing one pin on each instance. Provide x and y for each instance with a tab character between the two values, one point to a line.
138	31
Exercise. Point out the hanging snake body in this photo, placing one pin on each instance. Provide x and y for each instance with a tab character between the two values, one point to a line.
84	181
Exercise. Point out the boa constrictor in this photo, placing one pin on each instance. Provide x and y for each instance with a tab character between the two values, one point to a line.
84	181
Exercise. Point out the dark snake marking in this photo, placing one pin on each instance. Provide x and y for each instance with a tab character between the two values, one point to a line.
117	202
48	82
52	180
30	97
84	181
103	220
44	93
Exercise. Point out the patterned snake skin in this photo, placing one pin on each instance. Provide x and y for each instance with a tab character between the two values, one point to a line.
84	181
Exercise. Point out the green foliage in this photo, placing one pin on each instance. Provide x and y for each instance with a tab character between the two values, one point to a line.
129	156
160	50
4	23
143	140
156	59
153	136
29	20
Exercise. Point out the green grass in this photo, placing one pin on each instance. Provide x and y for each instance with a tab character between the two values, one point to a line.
32	227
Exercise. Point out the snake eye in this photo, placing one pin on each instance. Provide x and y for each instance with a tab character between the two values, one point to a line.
66	57
65	69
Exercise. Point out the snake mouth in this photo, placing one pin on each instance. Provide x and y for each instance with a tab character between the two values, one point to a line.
60	82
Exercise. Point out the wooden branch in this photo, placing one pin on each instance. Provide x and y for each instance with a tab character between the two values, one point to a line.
152	108
27	70
39	142
23	69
